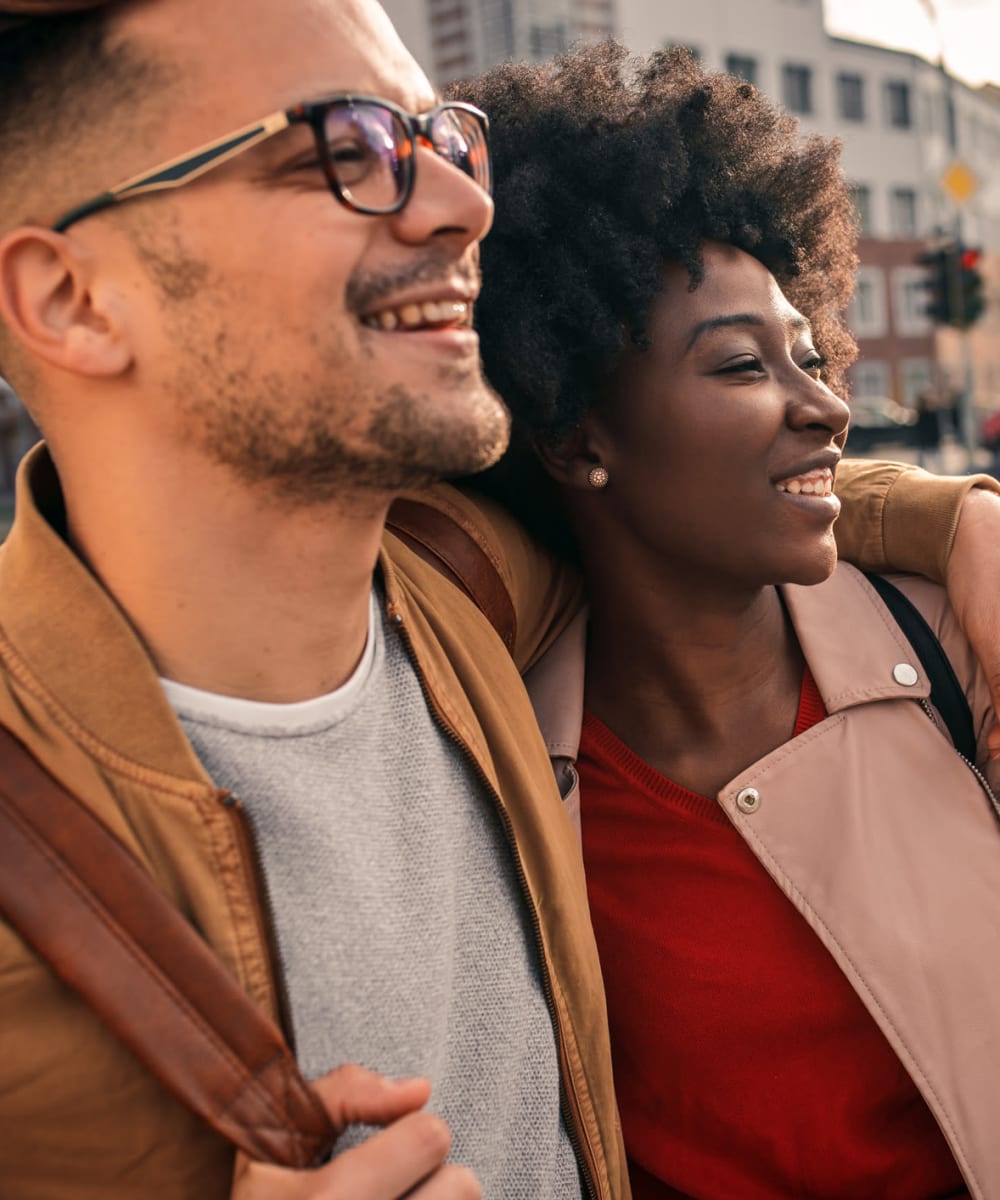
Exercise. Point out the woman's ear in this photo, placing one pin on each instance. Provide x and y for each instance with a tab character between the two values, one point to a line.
574	461
53	304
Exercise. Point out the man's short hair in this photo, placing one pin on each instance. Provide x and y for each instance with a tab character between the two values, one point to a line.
60	80
66	92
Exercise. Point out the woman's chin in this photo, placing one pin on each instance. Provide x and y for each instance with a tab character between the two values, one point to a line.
817	569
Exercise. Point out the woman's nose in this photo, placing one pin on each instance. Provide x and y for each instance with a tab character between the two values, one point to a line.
815	405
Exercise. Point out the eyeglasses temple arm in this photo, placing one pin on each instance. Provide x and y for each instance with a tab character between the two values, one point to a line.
105	200
181	170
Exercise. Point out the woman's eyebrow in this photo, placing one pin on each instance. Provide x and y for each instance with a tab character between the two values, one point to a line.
796	323
721	323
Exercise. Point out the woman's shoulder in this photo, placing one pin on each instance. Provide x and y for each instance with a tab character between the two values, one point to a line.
846	619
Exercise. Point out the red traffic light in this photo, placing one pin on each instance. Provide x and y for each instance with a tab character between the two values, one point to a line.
954	284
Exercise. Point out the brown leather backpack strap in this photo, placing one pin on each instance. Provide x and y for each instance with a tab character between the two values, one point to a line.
444	544
80	898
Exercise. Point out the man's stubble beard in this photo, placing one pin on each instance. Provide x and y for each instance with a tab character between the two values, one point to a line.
328	431
308	444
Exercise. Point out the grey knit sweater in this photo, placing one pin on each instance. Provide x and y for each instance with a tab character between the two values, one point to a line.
401	928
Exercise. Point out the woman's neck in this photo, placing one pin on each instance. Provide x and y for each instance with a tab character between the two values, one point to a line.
699	681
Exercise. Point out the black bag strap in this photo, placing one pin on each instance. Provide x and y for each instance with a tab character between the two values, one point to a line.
947	695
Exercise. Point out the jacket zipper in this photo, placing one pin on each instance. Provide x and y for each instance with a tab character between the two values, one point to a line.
574	1126
246	836
983	783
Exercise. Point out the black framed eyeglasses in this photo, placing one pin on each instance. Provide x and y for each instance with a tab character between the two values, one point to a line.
366	146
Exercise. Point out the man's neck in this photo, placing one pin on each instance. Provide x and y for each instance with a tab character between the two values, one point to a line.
231	591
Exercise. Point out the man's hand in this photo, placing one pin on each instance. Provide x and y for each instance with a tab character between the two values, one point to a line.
405	1159
974	592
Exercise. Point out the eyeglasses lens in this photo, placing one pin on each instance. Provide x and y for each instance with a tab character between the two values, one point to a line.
458	137
369	154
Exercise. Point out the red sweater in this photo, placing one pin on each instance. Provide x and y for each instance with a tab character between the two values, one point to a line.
746	1066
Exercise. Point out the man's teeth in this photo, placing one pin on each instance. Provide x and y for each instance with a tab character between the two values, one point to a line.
414	316
813	483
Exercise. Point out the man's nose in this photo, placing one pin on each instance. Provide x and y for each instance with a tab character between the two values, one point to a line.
445	203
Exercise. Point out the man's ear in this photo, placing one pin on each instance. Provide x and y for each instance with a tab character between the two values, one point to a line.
571	462
53	305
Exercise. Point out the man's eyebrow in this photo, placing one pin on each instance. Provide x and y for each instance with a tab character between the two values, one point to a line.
797	323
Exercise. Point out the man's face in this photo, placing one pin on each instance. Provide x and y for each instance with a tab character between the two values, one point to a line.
276	331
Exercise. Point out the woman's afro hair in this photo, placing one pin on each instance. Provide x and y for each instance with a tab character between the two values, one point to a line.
608	165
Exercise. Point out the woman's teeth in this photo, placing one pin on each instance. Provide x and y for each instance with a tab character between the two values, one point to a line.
813	483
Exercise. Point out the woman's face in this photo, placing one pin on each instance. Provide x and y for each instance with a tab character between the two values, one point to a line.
720	440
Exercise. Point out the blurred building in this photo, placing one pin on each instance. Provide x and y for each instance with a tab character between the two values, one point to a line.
454	39
902	121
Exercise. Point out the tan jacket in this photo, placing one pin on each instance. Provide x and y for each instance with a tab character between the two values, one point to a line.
884	839
78	1117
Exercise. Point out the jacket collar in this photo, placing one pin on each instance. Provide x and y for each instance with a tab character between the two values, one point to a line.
851	642
66	639
848	637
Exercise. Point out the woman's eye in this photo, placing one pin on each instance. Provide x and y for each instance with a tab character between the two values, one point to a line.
749	365
814	364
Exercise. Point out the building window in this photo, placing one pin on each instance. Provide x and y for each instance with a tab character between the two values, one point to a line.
546	40
903	212
897	96
851	97
742	67
910	297
796	88
861	195
870	380
917	378
866	312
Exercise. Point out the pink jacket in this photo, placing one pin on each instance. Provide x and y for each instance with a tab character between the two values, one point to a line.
884	839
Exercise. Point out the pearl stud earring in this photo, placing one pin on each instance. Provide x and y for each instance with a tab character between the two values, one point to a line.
598	477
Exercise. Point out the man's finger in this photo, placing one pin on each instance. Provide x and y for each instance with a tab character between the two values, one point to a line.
391	1163
448	1183
353	1095
388	1166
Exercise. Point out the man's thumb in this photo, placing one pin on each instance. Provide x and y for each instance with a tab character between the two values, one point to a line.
354	1095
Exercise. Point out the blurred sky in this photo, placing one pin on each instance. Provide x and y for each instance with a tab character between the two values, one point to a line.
970	30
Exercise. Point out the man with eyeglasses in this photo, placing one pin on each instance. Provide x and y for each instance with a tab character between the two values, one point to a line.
238	261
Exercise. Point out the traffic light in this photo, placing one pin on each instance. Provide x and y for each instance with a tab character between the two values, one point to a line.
971	281
954	284
940	284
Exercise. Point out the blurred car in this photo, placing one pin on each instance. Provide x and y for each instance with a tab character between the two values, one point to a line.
879	421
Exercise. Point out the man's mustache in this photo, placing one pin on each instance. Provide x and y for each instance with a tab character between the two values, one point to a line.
366	292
